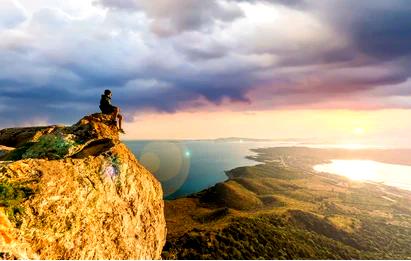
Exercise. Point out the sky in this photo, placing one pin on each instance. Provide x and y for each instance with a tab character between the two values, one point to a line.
183	69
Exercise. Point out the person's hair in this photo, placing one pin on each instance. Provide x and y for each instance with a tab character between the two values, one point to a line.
107	92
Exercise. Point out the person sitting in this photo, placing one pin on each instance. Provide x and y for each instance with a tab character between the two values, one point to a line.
107	108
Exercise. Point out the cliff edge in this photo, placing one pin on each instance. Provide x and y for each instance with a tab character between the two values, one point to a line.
77	193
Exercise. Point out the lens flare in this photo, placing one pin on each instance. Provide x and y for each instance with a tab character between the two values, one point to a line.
151	161
169	162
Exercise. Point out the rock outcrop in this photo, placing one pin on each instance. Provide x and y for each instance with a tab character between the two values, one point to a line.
77	193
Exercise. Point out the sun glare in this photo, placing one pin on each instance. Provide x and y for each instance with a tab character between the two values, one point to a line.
352	169
359	131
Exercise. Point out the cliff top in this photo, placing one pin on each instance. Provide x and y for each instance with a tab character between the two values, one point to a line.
76	192
88	137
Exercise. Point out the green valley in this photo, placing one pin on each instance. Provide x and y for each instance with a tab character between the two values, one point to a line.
283	209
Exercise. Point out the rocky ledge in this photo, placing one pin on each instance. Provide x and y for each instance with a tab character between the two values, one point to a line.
77	192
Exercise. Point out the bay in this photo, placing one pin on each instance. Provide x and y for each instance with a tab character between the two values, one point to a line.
186	167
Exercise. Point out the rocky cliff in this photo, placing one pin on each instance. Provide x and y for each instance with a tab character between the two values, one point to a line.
77	193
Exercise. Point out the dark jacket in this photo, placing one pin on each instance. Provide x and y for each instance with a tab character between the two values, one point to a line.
105	105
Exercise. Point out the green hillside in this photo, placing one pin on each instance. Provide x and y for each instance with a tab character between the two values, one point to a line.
283	210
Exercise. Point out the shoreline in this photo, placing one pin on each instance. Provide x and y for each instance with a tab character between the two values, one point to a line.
286	200
351	154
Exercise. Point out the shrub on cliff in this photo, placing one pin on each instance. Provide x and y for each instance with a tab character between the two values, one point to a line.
51	146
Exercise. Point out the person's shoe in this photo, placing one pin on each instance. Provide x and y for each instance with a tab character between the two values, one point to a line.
122	131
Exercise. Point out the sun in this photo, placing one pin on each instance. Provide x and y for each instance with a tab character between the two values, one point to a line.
359	131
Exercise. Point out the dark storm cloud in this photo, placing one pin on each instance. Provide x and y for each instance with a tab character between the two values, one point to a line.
384	34
48	103
63	102
381	35
377	60
184	89
378	28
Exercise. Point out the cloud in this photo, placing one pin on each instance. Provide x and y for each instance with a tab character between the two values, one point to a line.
377	28
386	38
173	17
170	56
10	15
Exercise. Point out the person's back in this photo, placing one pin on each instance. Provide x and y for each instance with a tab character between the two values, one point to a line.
105	104
107	108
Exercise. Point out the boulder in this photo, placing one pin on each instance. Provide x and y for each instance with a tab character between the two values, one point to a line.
77	193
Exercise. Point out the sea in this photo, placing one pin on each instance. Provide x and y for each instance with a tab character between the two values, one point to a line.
394	175
187	167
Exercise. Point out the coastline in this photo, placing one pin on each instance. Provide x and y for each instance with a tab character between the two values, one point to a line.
291	194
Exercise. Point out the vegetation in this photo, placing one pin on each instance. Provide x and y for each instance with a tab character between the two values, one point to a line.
282	209
11	197
50	146
231	194
258	238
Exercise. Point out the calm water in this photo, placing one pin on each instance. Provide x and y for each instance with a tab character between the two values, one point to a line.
368	170
187	167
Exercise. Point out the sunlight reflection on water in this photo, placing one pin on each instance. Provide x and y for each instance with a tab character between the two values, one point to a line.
368	170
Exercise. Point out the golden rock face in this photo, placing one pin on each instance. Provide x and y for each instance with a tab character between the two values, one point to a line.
87	197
